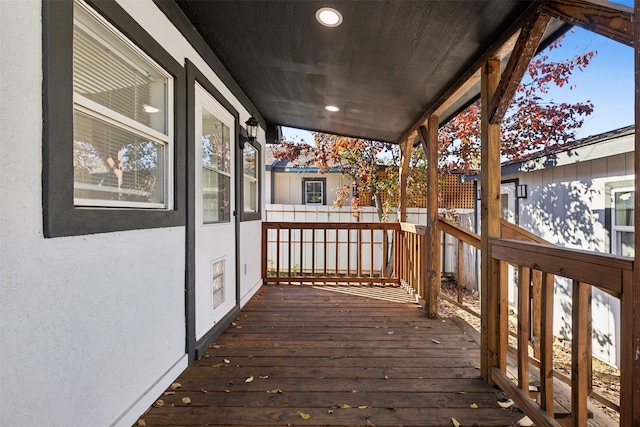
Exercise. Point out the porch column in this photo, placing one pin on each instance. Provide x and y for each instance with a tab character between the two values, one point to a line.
490	225
406	146
630	321
429	139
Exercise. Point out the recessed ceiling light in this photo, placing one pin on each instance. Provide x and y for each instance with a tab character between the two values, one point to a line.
332	108
329	17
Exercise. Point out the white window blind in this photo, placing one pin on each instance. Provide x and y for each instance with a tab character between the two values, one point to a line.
250	171
122	119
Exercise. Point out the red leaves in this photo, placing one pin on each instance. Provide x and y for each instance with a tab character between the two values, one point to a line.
531	124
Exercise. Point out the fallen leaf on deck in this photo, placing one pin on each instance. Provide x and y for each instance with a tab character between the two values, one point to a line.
203	390
473	406
505	402
455	422
227	361
330	411
186	400
362	407
304	416
169	393
390	333
227	391
216	346
142	423
526	421
175	386
264	377
248	380
344	406
277	390
159	403
386	377
435	341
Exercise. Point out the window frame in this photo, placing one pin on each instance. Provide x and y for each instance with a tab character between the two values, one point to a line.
323	182
61	217
251	215
615	229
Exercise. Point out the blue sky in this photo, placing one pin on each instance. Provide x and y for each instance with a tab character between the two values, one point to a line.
608	82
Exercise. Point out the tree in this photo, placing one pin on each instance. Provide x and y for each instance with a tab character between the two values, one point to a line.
372	166
533	123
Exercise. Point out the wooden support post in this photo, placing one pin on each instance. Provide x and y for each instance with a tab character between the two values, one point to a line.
630	304
490	226
429	139
406	147
459	270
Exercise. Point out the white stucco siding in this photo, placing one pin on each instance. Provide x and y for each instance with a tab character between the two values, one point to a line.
90	323
92	327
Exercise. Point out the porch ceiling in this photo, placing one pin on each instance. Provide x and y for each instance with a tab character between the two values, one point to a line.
384	67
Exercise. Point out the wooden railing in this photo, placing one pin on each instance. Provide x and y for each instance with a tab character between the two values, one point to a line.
611	274
537	334
313	252
412	268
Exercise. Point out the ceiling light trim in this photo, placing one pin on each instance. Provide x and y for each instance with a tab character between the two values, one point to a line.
329	17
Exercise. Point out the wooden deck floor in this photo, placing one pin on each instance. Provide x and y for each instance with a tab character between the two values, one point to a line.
339	356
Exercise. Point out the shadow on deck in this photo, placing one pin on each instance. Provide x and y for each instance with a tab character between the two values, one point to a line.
334	355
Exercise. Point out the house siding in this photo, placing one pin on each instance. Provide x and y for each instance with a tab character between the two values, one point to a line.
92	326
570	206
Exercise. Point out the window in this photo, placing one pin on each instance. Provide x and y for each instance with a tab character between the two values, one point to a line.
216	169
113	123
622	233
121	132
313	191
251	181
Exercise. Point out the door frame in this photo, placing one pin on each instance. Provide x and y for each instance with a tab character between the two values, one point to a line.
196	348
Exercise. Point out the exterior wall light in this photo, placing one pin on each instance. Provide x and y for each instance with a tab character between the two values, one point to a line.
252	131
521	191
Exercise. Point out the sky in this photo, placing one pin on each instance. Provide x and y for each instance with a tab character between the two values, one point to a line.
608	82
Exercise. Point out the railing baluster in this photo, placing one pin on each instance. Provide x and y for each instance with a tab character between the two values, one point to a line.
325	253
524	322
337	232
348	254
580	344
359	252
278	252
313	252
546	343
459	272
371	246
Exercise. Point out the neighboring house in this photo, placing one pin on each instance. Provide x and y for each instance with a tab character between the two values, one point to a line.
579	195
298	183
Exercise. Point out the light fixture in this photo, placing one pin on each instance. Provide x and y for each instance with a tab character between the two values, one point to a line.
149	108
332	108
329	17
521	191
252	130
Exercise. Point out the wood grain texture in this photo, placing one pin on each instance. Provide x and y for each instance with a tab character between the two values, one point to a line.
344	359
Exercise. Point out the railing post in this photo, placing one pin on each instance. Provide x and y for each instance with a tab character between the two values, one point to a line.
265	253
490	226
524	324
630	371
429	139
546	343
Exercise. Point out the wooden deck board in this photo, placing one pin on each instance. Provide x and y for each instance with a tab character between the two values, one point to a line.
314	351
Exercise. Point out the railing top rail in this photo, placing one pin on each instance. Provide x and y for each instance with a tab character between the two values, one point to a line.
598	269
413	228
332	225
457	231
514	232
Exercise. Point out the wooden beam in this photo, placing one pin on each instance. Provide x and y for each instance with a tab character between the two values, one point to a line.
405	149
630	302
429	138
490	225
524	50
610	20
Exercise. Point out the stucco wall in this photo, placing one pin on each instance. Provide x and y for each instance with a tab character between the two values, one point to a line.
92	327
